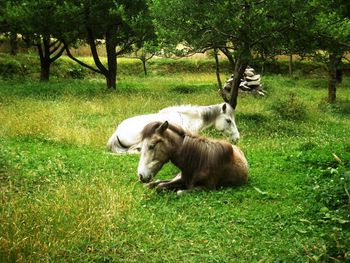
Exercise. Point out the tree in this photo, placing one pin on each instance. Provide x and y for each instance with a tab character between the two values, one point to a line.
27	18
7	27
322	31
121	24
331	34
144	53
239	25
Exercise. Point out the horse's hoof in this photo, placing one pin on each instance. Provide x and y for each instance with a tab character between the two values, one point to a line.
160	187
181	192
152	185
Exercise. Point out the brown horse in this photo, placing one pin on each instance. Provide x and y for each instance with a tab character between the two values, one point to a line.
203	162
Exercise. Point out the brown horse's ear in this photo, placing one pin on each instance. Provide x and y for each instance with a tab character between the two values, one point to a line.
224	108
163	127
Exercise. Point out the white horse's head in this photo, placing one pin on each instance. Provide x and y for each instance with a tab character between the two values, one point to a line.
225	122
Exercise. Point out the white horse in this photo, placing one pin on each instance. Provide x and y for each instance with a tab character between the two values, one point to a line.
193	119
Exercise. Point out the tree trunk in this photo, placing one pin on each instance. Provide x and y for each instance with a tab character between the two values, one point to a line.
333	75
144	66
229	56
112	63
217	68
339	73
111	76
111	82
241	64
13	44
290	64
44	71
44	54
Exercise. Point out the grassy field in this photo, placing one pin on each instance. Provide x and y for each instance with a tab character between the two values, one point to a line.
64	199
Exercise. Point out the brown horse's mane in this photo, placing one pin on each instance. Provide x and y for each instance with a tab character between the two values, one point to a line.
201	153
151	128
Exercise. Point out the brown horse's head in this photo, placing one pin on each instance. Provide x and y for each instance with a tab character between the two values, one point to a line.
159	142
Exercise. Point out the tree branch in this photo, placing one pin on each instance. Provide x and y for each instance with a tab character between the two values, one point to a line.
125	47
54	43
69	54
223	95
57	47
103	70
59	53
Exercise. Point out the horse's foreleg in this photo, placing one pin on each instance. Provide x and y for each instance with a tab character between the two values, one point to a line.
173	184
181	192
155	183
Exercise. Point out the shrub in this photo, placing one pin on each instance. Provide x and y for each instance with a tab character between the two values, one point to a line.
10	68
290	108
76	72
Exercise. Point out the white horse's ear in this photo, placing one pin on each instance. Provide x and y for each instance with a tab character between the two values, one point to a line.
224	108
163	127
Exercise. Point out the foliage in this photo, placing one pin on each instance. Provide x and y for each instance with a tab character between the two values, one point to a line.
330	190
121	25
290	108
324	34
239	26
12	68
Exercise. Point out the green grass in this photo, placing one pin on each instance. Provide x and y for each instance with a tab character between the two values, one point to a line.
64	199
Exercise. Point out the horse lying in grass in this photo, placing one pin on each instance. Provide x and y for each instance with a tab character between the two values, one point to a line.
127	136
204	163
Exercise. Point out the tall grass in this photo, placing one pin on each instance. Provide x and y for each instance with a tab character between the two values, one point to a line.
64	199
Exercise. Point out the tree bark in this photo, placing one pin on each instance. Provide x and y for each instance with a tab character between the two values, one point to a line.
44	71
13	44
217	68
112	62
48	53
44	54
333	75
229	56
144	66
241	64
290	64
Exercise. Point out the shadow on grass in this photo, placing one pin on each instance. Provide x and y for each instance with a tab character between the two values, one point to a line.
253	117
189	89
341	107
57	89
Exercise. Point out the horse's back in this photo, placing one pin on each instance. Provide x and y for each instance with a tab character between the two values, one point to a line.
239	167
179	108
234	171
220	164
128	132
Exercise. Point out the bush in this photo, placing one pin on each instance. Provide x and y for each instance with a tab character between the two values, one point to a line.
328	197
290	108
10	68
76	72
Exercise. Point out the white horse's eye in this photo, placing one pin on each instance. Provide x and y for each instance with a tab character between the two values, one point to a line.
228	121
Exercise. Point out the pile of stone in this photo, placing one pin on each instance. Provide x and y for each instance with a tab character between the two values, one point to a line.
251	83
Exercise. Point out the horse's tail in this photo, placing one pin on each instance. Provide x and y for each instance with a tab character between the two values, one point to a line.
114	145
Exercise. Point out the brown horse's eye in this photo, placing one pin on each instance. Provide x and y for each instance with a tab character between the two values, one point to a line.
151	147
